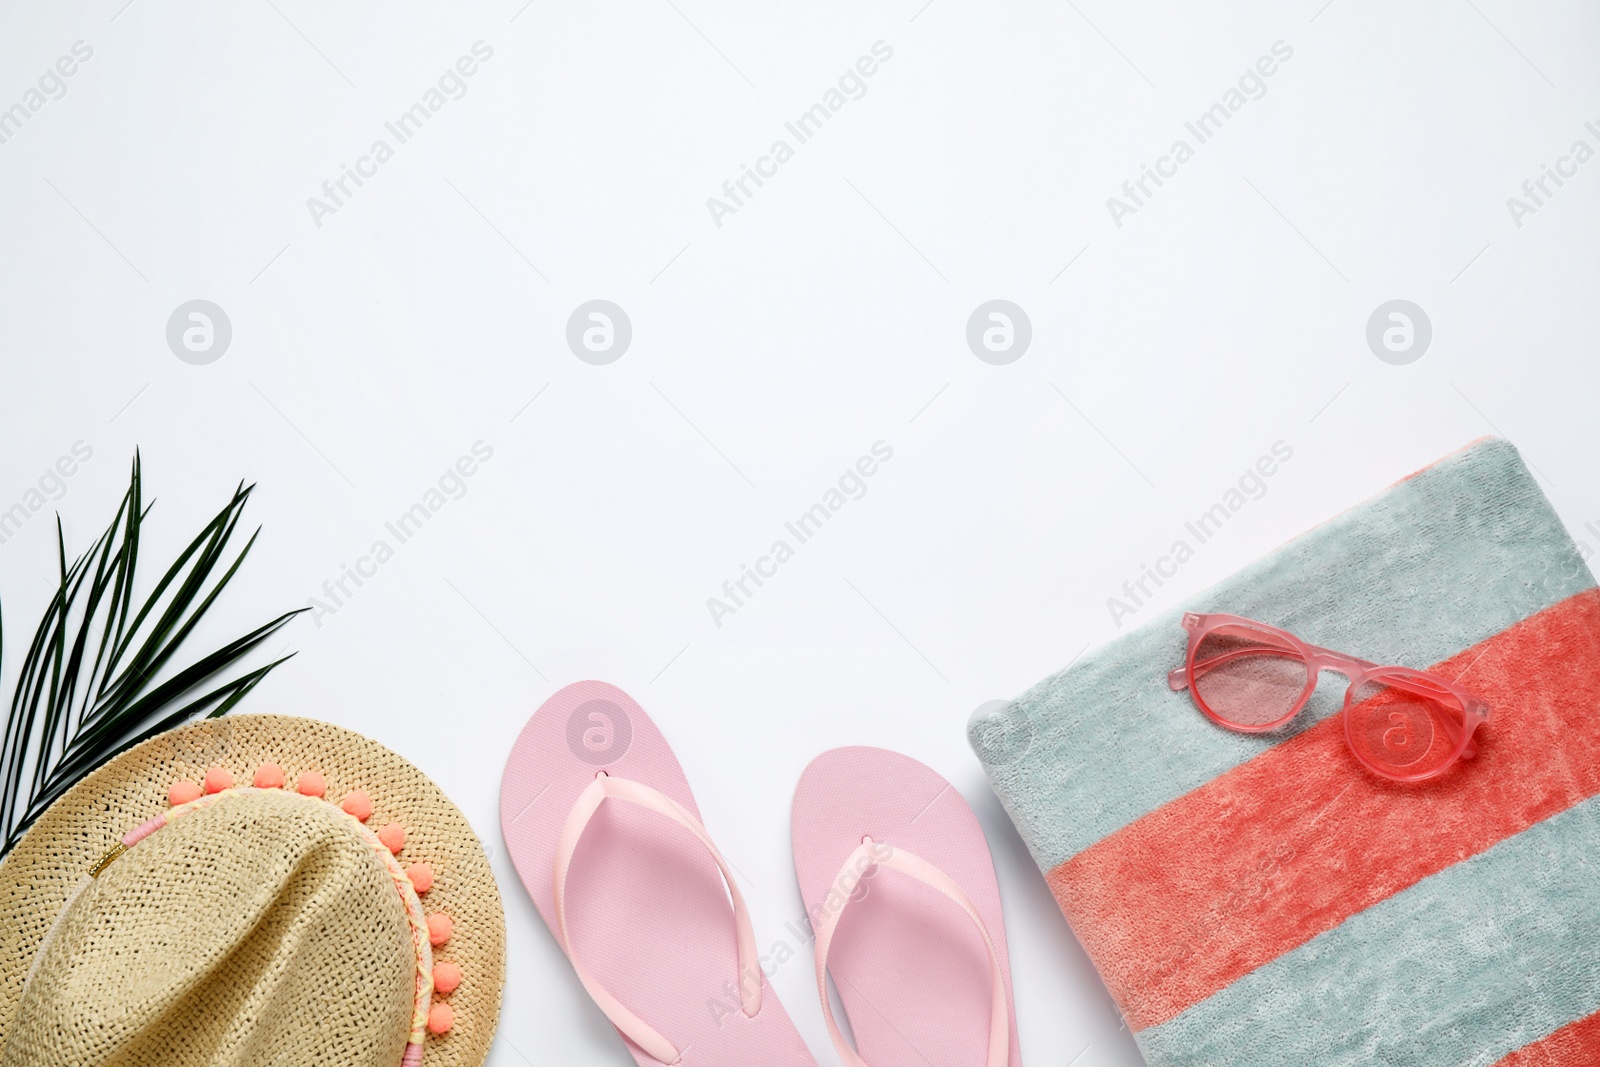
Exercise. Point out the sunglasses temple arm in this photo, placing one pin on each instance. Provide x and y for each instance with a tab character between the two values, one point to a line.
1178	679
1471	748
1329	658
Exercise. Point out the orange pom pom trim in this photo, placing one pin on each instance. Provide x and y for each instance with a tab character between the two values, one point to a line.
268	776
358	804
182	792
446	976
393	837
218	783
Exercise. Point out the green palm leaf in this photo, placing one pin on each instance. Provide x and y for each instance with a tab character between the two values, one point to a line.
102	672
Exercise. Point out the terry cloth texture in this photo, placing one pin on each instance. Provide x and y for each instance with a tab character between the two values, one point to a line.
1260	898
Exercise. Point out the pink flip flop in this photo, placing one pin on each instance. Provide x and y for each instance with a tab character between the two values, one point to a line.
896	875
634	891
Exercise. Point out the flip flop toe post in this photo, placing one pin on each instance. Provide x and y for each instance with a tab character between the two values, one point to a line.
604	832
896	875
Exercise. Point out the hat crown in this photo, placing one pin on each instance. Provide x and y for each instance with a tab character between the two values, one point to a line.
207	943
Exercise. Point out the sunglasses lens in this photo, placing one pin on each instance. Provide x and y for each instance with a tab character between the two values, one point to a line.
1400	729
1246	678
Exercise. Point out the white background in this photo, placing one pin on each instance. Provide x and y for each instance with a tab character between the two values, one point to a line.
826	314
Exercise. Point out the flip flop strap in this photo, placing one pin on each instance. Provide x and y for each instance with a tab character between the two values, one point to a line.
634	1028
874	854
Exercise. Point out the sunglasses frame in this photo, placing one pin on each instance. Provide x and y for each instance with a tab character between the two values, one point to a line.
1474	711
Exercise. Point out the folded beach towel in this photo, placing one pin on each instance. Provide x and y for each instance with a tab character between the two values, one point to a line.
1260	898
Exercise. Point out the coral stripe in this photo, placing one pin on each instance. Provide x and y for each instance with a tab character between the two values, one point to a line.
1207	888
1574	1045
1459	969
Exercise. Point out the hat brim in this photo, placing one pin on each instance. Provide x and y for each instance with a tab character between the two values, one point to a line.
77	830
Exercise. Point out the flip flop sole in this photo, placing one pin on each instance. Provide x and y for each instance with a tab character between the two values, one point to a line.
646	908
910	968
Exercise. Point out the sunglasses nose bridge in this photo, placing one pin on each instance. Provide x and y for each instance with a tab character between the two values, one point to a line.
1344	670
1347	667
1318	669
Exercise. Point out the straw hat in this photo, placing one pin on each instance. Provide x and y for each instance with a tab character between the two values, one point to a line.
252	890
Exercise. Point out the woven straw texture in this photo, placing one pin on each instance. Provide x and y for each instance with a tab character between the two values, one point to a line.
191	949
276	940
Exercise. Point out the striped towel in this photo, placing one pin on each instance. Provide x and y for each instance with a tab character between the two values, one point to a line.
1259	899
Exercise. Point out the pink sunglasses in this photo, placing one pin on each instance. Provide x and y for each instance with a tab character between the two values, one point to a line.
1404	724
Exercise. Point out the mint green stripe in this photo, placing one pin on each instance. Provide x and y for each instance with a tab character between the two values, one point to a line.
1432	566
1460	969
